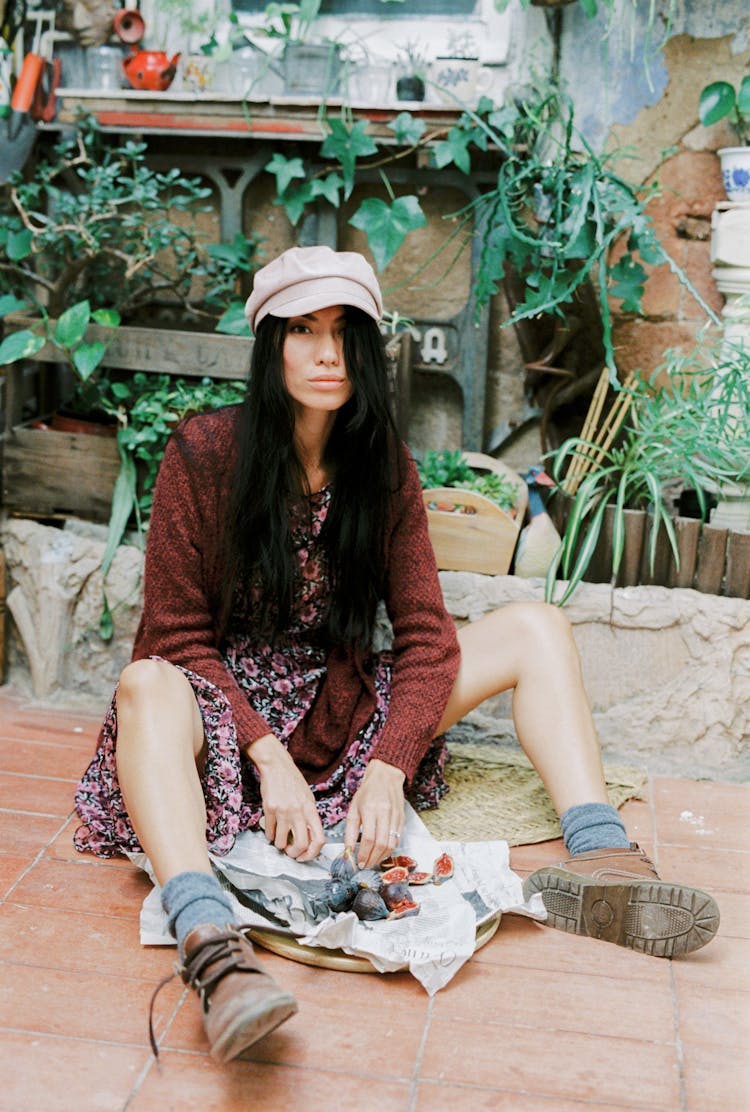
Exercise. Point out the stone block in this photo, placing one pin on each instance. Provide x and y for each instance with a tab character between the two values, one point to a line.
667	671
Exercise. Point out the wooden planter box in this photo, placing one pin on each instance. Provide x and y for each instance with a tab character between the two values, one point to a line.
48	473
713	560
483	540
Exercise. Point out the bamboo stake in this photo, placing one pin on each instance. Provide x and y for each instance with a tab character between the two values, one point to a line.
590	424
587	459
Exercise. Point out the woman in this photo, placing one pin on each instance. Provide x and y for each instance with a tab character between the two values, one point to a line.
254	691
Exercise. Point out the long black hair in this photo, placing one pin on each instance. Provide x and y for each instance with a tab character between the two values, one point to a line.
361	454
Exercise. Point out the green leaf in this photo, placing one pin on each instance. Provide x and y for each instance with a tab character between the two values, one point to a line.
123	503
453	149
20	345
628	283
233	321
294	201
386	226
109	318
586	551
716	101
346	145
328	187
408	129
72	324
743	96
589	8
19	245
87	357
9	303
285	170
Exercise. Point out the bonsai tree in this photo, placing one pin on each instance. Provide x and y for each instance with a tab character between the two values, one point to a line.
720	100
94	222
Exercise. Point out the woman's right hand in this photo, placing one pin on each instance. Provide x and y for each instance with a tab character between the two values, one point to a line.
292	820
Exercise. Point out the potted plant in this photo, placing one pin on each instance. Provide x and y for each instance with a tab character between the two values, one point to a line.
94	238
686	431
309	68
475	505
721	101
412	66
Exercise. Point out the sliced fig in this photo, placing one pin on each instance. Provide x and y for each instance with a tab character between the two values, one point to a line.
395	875
345	866
395	893
339	893
401	861
442	869
369	905
403	909
420	878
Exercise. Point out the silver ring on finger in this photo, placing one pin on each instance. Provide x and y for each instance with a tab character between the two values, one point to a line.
395	835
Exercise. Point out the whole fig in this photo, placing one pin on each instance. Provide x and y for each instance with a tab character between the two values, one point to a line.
345	866
368	878
339	894
395	893
369	905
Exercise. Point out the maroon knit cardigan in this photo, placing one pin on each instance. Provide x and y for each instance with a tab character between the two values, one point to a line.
183	590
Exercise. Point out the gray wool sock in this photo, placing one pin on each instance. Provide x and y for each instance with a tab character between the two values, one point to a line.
590	826
191	899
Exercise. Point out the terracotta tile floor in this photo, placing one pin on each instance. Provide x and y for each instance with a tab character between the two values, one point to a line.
538	1020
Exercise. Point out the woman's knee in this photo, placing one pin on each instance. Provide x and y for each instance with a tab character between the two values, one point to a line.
144	682
542	627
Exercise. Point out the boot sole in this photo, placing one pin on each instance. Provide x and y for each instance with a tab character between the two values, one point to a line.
250	1027
664	920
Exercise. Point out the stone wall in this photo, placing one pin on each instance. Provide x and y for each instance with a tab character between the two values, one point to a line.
667	671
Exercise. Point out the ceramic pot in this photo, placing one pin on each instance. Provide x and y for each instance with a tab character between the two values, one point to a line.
460	80
410	87
735	170
150	69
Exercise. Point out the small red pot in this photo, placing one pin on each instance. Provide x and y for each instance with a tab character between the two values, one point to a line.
150	69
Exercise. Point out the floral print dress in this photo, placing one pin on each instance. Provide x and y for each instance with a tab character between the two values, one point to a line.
281	682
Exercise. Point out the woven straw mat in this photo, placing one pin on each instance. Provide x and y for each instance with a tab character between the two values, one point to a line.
496	794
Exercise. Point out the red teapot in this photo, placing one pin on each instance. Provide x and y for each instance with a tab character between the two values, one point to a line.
150	69
144	69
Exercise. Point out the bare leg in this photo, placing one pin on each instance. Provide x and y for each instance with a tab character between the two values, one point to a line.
530	647
159	739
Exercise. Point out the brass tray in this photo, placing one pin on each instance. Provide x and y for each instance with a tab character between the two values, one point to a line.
287	946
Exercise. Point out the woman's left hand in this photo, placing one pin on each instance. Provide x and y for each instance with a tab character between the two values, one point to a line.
376	813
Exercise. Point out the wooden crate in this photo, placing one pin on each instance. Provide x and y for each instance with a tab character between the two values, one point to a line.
481	541
47	473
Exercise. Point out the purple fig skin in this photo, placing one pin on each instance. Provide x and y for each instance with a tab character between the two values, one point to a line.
368	878
395	893
340	894
344	867
368	905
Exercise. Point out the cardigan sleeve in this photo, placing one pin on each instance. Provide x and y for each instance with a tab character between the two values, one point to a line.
178	620
425	647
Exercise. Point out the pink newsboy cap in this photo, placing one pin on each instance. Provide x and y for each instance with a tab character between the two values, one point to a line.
304	279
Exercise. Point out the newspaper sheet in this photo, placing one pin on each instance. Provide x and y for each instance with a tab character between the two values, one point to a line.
270	891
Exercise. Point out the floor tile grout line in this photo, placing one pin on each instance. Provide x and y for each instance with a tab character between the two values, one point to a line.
679	1048
419	1058
35	814
36	776
35	860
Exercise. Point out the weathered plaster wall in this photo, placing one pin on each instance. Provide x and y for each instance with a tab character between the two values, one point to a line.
651	113
667	671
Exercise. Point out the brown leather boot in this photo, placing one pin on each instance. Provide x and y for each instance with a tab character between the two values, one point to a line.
241	1002
616	895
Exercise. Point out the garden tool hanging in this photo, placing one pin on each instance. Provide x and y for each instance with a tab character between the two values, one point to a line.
18	129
